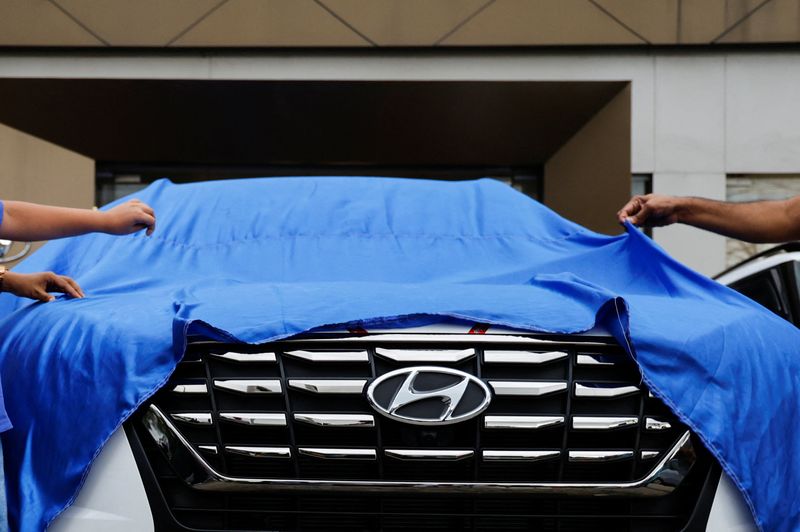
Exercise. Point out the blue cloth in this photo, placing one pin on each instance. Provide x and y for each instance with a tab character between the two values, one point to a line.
258	260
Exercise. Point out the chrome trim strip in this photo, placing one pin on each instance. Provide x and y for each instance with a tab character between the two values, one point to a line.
649	455
210	449
336	420
330	356
192	469
255	419
190	388
652	423
259	452
519	456
429	454
331	453
598	359
521	422
245	357
249	386
425	355
603	422
523	357
193	418
329	385
599	390
531	388
440	338
599	456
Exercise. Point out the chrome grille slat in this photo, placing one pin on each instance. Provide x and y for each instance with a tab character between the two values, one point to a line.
429	454
249	386
259	452
656	424
329	453
600	390
520	456
603	422
344	386
521	422
193	418
190	388
523	357
426	356
255	419
599	456
593	359
530	388
336	420
330	356
245	357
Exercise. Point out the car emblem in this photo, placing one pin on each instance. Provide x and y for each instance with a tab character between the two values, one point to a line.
428	395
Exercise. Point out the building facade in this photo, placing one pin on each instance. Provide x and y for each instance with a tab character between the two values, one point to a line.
576	102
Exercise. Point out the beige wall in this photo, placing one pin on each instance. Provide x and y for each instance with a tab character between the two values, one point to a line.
589	177
38	171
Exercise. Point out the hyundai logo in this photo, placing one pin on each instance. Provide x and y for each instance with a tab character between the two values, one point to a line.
428	395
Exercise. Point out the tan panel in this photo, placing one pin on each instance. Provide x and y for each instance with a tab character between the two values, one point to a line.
39	23
777	21
543	22
701	20
143	22
405	22
271	23
35	170
655	20
589	177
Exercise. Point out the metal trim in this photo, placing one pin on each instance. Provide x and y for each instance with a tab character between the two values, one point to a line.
330	453
330	356
519	456
599	390
649	455
597	359
441	356
528	388
603	422
255	419
193	470
336	420
212	449
249	386
190	388
655	424
245	357
193	418
599	456
259	452
326	386
522	357
521	422
451	455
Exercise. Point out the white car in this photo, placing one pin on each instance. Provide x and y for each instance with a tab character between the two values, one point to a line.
446	427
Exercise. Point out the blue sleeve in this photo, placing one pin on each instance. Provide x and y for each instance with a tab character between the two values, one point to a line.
2	208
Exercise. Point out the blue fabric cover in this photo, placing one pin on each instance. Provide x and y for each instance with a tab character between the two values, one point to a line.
257	260
5	423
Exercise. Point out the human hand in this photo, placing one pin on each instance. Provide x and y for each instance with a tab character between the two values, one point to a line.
130	217
37	285
651	210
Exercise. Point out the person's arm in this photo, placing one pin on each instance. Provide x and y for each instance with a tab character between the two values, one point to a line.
37	285
29	221
759	221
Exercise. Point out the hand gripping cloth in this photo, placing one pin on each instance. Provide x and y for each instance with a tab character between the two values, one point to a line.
263	259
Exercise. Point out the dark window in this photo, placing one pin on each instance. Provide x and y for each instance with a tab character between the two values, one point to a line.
768	289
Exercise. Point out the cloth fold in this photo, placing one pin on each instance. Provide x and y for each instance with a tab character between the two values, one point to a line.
262	259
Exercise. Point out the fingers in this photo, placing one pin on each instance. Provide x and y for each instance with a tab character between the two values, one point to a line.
63	284
146	220
630	210
41	295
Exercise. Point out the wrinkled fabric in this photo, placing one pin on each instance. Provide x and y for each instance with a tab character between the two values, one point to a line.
258	260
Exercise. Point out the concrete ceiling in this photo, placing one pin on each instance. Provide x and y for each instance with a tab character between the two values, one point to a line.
304	123
366	23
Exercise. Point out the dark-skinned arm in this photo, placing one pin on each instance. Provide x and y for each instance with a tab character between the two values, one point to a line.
758	221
